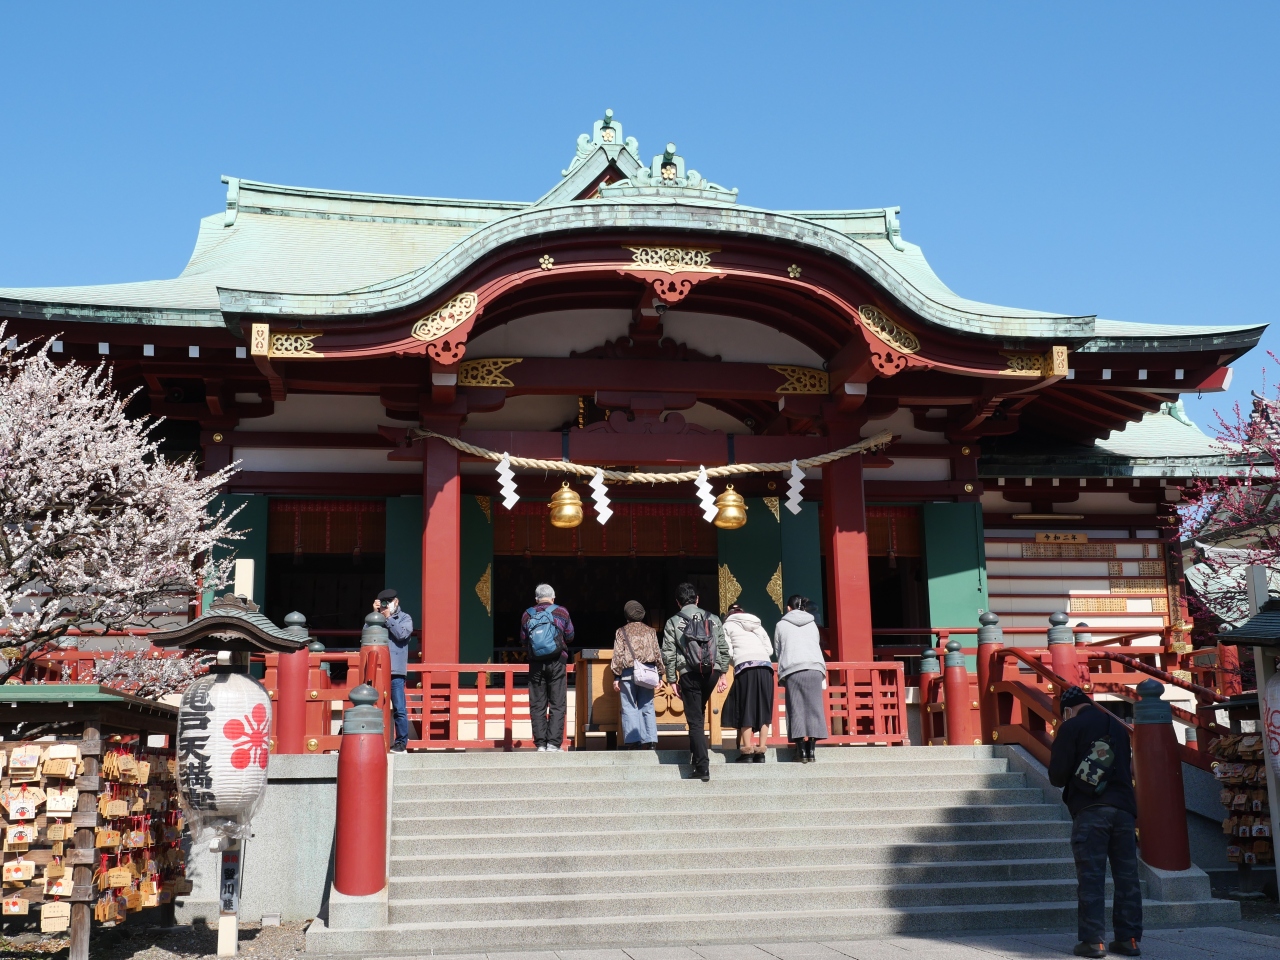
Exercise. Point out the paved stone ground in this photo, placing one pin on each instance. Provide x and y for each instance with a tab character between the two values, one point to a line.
1204	943
1256	940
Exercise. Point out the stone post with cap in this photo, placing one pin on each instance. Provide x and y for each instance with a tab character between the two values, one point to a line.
930	673
375	666
291	690
955	689
990	642
1157	774
360	844
1062	651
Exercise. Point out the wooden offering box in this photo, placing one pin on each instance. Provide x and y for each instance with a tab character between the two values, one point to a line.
92	826
598	706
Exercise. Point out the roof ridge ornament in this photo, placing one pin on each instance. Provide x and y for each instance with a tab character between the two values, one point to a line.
667	176
605	132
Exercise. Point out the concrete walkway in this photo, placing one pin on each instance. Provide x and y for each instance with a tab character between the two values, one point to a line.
1201	943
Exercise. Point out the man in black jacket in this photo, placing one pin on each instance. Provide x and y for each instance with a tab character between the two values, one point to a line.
1092	762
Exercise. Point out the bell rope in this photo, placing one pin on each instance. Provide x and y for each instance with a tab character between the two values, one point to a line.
881	439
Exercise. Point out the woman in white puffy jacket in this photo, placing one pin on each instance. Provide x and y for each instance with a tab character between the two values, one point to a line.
749	706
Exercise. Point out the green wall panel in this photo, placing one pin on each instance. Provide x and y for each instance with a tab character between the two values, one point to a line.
955	563
475	644
802	556
252	522
753	554
404	553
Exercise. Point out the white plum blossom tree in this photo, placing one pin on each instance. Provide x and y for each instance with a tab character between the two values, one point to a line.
98	530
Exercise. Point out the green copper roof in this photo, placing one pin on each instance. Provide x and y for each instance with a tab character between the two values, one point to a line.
1166	443
300	251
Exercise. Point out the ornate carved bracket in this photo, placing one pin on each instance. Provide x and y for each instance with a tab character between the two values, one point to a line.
445	329
672	271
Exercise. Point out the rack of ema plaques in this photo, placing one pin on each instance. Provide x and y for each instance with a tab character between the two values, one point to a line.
92	826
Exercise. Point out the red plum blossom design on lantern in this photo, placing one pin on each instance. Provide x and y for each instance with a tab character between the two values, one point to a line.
249	737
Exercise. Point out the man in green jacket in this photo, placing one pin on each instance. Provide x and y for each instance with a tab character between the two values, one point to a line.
696	655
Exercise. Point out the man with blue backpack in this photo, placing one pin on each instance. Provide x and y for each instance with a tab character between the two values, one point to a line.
696	655
546	631
1092	760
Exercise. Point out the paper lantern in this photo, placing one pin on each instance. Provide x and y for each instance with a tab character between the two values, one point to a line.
1271	723
224	722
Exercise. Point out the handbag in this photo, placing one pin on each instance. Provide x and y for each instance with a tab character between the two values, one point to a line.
642	674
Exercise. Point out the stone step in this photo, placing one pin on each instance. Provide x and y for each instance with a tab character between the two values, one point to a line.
663	801
573	773
701	838
763	926
726	902
637	880
803	852
471	759
712	813
825	780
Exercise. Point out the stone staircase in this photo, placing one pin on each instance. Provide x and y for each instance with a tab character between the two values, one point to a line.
542	851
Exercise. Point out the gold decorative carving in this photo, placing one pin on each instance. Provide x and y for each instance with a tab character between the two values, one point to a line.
1051	364
452	315
291	345
484	589
1055	362
546	261
672	259
774	588
260	340
486	372
802	379
793	271
772	503
730	589
486	504
890	331
1023	364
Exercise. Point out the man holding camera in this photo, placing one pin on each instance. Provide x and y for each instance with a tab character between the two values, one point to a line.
400	629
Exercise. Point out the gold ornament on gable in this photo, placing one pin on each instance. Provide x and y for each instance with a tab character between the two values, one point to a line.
888	330
773	504
804	380
449	317
486	505
486	372
672	259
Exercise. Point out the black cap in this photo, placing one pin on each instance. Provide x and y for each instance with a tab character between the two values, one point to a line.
1073	697
387	595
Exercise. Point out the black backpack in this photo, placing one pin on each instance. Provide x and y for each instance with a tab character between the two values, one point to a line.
699	644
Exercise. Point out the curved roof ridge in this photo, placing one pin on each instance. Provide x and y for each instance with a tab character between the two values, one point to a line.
261	186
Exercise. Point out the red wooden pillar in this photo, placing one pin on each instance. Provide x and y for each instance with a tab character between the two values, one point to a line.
441	552
360	843
848	575
990	639
1157	768
955	690
291	701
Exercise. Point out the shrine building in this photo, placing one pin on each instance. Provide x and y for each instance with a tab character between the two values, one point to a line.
639	316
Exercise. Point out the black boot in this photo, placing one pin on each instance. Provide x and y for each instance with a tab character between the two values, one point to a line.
809	746
801	754
704	772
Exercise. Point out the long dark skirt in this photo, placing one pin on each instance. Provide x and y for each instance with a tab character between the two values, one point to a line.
806	706
749	705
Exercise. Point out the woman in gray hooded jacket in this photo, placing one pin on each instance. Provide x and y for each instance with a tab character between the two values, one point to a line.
802	670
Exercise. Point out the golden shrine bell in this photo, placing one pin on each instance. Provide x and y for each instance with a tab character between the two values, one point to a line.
566	508
731	510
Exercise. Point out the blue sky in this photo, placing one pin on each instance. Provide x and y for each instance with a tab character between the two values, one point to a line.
1089	158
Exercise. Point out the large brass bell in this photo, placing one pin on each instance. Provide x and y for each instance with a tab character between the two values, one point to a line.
731	510
566	508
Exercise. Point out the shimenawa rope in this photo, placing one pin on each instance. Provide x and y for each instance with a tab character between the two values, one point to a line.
568	466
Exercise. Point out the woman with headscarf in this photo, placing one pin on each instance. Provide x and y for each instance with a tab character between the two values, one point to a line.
802	670
636	643
749	706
